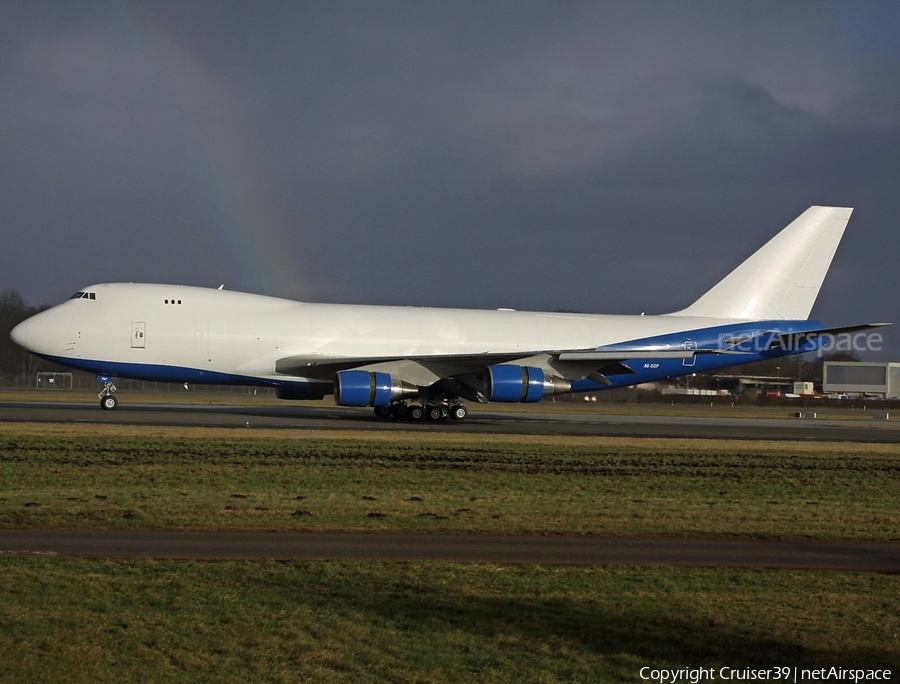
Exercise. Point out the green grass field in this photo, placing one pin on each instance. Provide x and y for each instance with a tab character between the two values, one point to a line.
139	621
108	477
144	620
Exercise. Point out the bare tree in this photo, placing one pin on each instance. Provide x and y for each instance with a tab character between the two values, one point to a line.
15	363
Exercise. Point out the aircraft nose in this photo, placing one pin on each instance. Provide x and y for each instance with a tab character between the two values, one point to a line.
43	333
21	334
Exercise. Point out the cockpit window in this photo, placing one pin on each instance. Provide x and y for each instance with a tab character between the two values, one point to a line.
84	295
78	295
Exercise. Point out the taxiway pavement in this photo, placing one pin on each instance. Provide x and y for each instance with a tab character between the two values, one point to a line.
532	422
743	553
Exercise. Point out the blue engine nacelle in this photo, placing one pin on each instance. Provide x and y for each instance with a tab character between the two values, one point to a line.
521	384
363	388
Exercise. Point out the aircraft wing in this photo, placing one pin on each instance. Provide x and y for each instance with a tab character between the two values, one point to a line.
597	364
456	372
625	354
323	366
426	370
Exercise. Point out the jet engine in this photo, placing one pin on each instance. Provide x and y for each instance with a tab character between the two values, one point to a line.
363	388
521	384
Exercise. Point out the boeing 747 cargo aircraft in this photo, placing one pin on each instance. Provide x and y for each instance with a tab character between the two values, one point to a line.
422	362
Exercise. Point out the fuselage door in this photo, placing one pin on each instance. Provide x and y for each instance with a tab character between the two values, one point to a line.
138	332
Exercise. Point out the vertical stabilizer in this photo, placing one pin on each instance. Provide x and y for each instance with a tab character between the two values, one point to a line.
782	279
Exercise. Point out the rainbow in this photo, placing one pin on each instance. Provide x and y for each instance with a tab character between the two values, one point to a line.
251	232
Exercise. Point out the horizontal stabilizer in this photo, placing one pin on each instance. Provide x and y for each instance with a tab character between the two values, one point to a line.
792	341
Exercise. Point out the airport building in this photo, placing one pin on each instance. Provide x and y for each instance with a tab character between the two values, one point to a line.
855	378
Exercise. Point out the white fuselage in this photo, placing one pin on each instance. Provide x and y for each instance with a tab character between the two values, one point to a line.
245	335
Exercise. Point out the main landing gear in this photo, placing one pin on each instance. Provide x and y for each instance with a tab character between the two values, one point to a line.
402	410
107	401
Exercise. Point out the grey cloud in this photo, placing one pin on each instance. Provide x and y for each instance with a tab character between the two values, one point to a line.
596	156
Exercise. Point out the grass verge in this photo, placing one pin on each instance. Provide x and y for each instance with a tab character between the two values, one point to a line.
162	478
129	621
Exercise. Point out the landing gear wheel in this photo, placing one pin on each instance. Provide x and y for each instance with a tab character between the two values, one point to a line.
399	410
415	412
433	412
458	412
107	401
383	411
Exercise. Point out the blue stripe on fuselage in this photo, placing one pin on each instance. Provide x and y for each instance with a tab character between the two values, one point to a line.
162	373
759	335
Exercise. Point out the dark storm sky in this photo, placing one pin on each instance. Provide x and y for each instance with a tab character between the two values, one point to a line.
611	157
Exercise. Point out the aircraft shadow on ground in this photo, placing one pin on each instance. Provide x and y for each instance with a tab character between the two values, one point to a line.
631	631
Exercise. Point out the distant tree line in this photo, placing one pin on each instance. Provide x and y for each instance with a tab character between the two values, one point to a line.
17	366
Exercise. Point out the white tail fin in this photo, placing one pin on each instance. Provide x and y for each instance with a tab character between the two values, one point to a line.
782	279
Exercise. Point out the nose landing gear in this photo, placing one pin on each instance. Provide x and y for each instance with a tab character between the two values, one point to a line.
107	401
